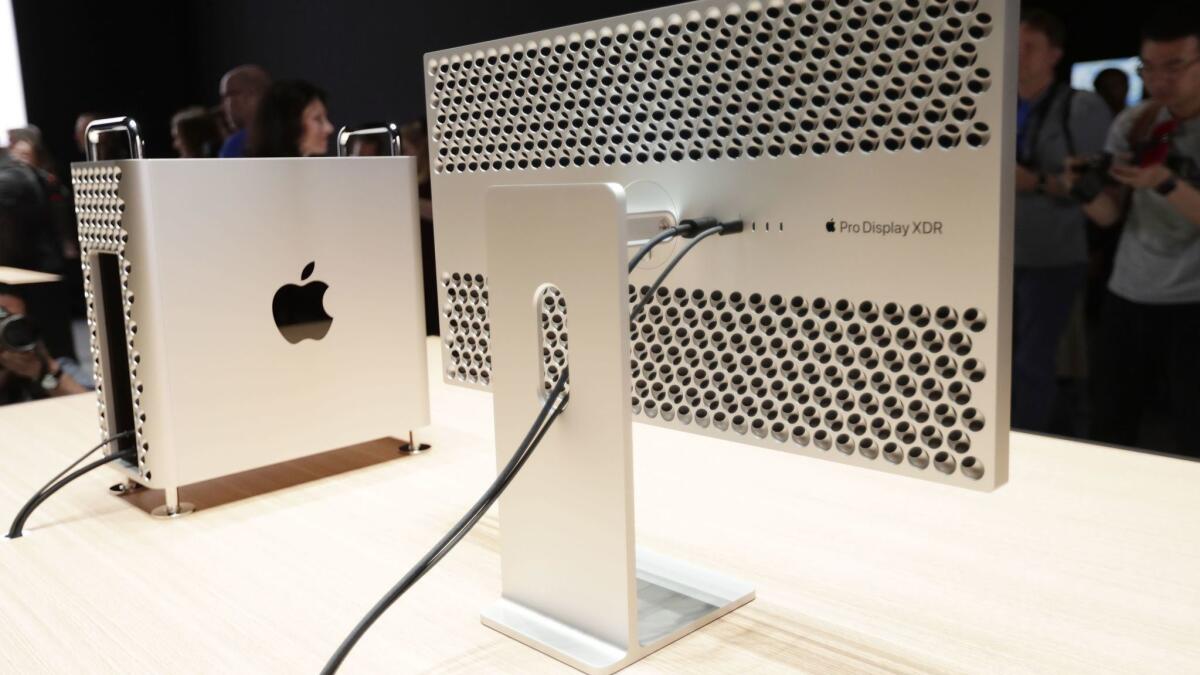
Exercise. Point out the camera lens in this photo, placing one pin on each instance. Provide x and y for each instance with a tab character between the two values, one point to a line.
18	334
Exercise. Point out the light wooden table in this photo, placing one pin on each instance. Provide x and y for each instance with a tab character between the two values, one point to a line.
17	277
1087	561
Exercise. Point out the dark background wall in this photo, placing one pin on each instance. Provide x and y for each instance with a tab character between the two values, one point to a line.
83	56
149	59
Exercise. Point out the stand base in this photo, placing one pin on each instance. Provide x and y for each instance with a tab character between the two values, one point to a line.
674	598
257	482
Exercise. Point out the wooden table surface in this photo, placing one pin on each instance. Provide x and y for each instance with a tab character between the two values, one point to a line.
15	276
1087	561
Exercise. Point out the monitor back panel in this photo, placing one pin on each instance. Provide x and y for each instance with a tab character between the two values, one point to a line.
205	250
864	314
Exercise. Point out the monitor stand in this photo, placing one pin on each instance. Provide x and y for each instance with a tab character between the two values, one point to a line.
574	585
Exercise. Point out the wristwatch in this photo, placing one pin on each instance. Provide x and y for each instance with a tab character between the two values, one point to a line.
1166	187
51	379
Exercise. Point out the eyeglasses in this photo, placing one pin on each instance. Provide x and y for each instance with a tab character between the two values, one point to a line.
1174	69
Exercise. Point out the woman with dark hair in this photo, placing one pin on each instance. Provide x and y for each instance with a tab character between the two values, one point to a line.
291	122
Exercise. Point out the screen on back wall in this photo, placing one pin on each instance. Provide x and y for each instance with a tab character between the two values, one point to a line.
12	93
1083	75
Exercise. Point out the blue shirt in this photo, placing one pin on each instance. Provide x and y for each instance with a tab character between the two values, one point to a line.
1023	109
235	145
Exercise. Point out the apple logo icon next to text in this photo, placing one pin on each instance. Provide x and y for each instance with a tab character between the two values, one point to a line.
299	311
829	226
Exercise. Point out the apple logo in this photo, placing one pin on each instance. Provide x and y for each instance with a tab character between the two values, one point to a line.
829	227
299	311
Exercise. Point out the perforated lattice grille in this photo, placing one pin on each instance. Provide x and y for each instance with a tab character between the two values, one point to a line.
467	341
554	338
99	210
737	81
879	380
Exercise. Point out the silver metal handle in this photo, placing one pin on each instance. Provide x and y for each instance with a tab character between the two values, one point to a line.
110	124
346	133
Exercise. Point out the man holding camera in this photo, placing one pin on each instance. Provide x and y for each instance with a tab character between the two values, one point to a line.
1151	318
1054	122
27	371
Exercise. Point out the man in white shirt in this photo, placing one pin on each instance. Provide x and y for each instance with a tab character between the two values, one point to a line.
1151	320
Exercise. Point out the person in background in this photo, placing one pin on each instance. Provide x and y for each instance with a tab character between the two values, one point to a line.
292	121
195	133
26	147
25	144
81	124
1150	324
34	374
22	151
27	238
241	91
1112	84
1054	122
365	146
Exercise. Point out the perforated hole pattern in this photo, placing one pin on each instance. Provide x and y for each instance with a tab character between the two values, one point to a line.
554	337
99	210
744	81
877	379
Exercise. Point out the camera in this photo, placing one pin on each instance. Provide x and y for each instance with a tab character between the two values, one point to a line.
1093	177
1184	167
17	332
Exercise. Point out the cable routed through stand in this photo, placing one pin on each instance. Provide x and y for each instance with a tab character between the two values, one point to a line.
556	402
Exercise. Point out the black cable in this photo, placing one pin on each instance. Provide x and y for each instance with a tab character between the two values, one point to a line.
649	294
18	524
23	513
516	468
101	444
556	400
460	528
655	241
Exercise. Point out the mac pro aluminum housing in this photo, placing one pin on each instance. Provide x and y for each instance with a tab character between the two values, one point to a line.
185	265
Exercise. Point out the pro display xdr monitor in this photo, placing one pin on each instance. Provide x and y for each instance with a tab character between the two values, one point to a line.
867	146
